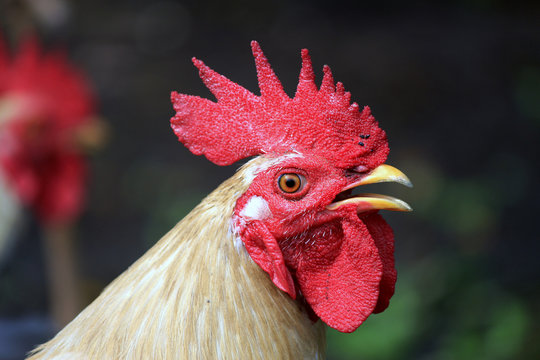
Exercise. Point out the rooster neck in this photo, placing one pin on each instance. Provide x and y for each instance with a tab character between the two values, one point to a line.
194	295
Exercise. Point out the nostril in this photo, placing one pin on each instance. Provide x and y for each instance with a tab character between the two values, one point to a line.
360	169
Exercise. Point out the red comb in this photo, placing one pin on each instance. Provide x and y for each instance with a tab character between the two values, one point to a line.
241	124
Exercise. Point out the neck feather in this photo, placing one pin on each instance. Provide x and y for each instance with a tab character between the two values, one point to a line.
194	295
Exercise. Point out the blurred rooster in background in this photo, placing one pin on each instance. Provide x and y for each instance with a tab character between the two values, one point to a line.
282	244
46	124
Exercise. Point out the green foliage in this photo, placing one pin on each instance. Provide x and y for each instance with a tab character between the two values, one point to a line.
447	303
382	336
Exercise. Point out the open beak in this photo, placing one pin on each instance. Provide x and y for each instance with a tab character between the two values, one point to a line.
367	202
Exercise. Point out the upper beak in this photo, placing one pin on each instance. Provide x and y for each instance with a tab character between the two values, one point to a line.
366	202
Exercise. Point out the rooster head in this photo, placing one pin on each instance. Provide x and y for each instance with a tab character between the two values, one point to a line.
298	219
46	119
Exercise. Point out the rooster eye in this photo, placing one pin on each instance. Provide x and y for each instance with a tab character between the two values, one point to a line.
290	183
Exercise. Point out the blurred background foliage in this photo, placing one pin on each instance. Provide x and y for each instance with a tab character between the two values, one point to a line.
456	85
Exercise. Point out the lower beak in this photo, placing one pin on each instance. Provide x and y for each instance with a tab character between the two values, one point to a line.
367	202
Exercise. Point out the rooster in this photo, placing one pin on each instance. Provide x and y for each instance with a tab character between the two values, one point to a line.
275	252
47	123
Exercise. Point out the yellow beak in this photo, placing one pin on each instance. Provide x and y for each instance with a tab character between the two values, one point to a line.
367	202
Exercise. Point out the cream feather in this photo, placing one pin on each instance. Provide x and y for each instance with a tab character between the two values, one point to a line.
194	295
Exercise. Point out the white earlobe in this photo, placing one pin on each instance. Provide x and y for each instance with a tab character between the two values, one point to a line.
256	209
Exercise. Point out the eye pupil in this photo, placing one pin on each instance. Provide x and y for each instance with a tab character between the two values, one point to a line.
289	183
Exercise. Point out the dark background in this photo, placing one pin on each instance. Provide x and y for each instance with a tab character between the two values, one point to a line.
456	86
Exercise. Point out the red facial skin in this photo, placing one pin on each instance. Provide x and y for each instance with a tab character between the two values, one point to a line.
49	102
340	261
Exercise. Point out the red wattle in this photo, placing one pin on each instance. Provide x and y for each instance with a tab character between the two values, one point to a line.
340	274
383	235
